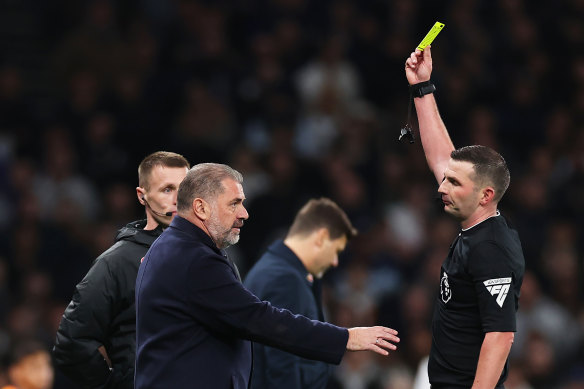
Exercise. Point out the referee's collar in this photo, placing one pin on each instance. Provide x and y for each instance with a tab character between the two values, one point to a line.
474	225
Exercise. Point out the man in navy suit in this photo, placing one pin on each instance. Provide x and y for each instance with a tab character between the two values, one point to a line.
194	317
288	276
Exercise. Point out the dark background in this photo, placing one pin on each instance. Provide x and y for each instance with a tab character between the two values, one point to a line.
306	99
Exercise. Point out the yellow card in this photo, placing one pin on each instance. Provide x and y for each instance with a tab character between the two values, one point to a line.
434	31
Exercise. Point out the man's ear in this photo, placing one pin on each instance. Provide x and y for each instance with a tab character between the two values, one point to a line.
488	194
140	192
201	208
321	235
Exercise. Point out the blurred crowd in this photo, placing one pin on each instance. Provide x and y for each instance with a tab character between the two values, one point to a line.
306	99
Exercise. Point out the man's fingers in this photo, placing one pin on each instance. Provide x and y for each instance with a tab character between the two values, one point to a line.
379	350
391	338
418	55
414	57
385	344
382	347
387	339
378	339
385	330
427	54
390	331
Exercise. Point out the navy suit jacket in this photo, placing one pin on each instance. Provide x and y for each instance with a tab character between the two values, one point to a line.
280	278
195	319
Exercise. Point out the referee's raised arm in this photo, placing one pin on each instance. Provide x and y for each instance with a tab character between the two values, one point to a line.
435	139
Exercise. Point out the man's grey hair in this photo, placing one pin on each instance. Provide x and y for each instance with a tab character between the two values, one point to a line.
205	181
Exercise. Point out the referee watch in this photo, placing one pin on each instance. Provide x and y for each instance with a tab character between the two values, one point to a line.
422	88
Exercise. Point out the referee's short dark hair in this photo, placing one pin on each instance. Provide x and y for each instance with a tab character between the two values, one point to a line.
159	158
322	213
489	166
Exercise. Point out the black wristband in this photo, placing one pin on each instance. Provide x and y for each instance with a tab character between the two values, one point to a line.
422	88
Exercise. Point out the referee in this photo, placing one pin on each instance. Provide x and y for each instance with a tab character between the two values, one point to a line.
474	317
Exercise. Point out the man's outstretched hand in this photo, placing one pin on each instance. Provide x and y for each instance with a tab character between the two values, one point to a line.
378	339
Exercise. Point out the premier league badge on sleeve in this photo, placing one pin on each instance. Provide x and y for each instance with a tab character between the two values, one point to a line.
445	291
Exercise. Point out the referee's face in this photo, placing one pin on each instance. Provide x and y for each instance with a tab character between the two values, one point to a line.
459	193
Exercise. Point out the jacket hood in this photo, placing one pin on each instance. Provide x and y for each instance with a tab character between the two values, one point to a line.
134	232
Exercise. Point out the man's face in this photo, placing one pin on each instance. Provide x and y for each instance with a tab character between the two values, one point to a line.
162	191
460	194
227	214
328	256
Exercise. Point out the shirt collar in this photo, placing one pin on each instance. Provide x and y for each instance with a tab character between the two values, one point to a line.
474	225
279	249
185	226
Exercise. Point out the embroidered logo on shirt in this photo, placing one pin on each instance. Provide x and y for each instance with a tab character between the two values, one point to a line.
499	287
445	291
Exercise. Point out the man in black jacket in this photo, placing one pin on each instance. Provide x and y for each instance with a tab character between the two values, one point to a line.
96	340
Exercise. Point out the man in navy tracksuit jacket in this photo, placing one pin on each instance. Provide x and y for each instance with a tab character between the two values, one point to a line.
195	319
289	276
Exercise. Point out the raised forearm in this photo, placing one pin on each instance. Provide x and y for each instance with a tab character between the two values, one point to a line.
435	139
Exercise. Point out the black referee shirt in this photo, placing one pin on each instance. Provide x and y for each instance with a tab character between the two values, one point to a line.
480	282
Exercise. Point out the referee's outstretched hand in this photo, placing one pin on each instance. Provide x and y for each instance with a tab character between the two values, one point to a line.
378	339
419	66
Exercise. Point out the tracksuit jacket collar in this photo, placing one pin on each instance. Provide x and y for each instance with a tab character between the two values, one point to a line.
279	249
198	234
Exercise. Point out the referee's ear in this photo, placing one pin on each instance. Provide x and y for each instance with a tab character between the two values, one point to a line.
487	195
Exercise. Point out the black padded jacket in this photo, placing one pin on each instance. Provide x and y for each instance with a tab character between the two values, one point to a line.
102	313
